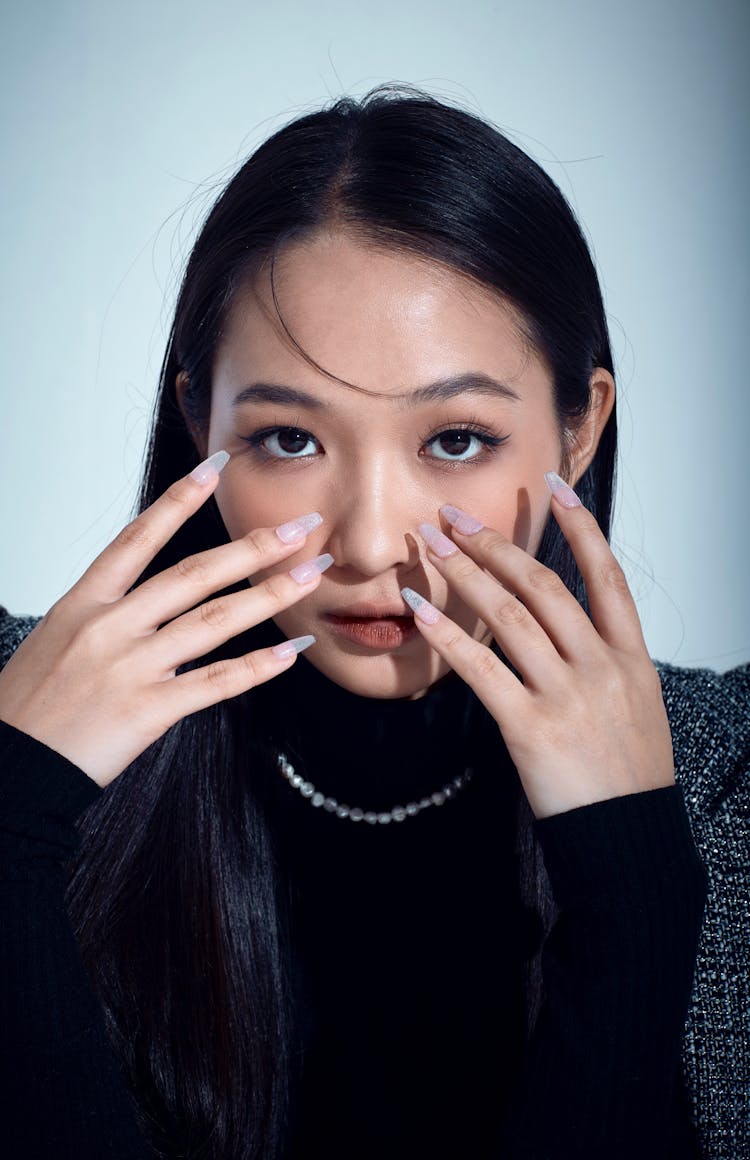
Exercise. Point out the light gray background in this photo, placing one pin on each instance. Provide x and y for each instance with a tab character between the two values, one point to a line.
120	121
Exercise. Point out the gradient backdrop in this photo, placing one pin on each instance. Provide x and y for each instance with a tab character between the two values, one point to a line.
119	122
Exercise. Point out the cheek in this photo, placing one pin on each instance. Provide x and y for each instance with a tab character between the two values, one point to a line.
518	513
243	508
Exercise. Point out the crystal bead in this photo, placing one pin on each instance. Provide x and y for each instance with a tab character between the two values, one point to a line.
397	814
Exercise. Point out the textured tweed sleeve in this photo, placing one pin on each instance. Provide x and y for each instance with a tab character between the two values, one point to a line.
710	718
12	631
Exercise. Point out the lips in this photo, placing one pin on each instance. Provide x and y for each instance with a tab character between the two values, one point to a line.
368	612
380	627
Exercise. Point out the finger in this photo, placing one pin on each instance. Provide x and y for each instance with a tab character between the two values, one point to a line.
539	589
520	636
196	577
221	680
118	567
492	681
205	628
613	609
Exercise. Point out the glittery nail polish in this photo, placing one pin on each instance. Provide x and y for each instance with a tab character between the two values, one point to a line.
421	608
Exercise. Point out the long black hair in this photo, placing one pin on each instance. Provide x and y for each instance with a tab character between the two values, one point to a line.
176	899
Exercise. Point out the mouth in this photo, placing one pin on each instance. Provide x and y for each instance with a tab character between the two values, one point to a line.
375	628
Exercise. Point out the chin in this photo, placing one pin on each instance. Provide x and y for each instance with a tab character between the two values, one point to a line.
381	676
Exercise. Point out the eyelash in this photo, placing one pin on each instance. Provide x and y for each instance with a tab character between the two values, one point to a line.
490	440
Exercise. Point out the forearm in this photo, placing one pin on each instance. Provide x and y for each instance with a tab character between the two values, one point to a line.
63	1091
600	1073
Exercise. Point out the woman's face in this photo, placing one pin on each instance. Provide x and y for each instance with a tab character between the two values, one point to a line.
460	412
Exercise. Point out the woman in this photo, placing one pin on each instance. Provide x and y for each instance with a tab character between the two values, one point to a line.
309	907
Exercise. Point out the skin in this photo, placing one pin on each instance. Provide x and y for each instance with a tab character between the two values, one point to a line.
389	323
97	679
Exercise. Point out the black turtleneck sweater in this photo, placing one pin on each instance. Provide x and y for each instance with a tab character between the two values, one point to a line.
408	947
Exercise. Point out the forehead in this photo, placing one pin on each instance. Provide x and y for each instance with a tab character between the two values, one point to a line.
380	319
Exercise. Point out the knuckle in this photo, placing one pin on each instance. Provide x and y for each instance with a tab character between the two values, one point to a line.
178	495
135	537
544	580
464	569
193	568
511	612
588	528
215	614
612	577
276	590
256	542
89	637
216	674
58	613
249	668
484	663
452	639
496	542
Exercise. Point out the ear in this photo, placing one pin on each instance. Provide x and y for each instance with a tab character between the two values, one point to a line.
199	436
583	440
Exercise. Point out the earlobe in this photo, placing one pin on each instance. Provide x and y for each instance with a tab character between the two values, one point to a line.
584	439
182	384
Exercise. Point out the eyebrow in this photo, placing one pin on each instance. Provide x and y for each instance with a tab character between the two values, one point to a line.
471	382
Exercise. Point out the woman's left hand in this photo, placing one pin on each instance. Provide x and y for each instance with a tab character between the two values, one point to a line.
587	721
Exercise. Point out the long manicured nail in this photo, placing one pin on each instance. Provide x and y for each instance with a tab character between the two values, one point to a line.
207	471
304	572
439	543
561	491
298	529
289	648
461	521
420	607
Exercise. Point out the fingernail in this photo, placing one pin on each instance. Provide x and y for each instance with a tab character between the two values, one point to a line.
420	607
439	543
289	648
207	471
298	529
461	521
560	490
304	572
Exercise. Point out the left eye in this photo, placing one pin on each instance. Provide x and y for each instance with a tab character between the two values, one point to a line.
288	443
456	444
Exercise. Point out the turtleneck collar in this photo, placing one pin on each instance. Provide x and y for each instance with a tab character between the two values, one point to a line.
377	753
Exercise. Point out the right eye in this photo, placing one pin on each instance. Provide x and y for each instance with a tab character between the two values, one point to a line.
285	442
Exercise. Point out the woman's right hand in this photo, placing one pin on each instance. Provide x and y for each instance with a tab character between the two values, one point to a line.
95	679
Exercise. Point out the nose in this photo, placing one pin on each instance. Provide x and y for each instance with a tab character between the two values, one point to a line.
372	517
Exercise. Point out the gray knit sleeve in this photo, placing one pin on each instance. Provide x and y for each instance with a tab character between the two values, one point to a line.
710	719
12	631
